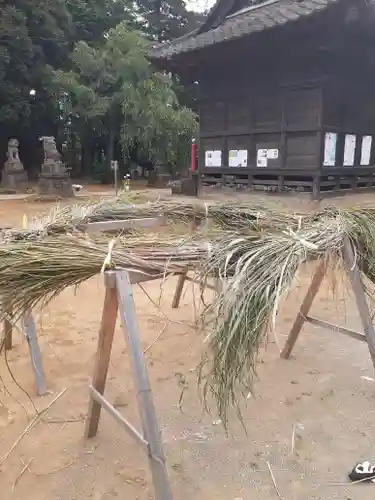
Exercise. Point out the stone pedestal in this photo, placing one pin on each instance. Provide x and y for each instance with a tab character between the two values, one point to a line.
54	180
187	187
14	176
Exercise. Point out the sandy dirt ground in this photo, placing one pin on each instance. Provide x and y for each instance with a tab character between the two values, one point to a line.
324	395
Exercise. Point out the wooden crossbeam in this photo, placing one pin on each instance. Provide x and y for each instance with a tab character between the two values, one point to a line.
132	431
118	225
335	328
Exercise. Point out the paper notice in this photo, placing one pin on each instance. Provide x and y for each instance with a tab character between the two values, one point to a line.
213	158
366	149
330	140
349	150
262	157
238	158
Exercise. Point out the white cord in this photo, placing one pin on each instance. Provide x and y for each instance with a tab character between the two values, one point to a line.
108	259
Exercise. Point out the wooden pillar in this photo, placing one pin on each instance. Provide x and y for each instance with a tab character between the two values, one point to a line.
250	179
103	354
320	149
316	186
178	292
195	181
182	277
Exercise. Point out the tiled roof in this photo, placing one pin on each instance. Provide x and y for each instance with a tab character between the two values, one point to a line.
249	20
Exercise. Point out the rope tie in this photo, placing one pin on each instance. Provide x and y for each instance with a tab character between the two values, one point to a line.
107	263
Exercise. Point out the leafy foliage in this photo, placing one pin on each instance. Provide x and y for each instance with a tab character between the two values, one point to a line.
156	122
92	20
68	69
163	20
32	37
115	87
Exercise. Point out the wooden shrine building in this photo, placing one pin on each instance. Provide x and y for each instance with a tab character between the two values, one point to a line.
286	93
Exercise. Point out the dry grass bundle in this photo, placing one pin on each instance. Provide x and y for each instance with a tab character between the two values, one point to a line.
222	216
37	270
256	254
257	271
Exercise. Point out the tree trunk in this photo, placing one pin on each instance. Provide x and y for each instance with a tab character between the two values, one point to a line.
110	143
86	156
76	168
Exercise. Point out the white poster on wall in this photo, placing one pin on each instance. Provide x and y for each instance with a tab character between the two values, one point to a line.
366	149
262	159
272	154
349	150
330	142
212	158
238	158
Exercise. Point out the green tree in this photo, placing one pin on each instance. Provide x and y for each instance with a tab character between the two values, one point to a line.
92	20
156	123
115	90
38	37
163	20
33	36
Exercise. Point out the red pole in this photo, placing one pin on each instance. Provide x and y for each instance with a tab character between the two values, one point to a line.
193	156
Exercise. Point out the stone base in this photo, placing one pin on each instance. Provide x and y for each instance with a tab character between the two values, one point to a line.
187	187
176	187
158	180
55	185
14	180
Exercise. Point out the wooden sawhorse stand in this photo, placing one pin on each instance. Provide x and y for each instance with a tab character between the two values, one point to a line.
28	328
119	297
354	275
